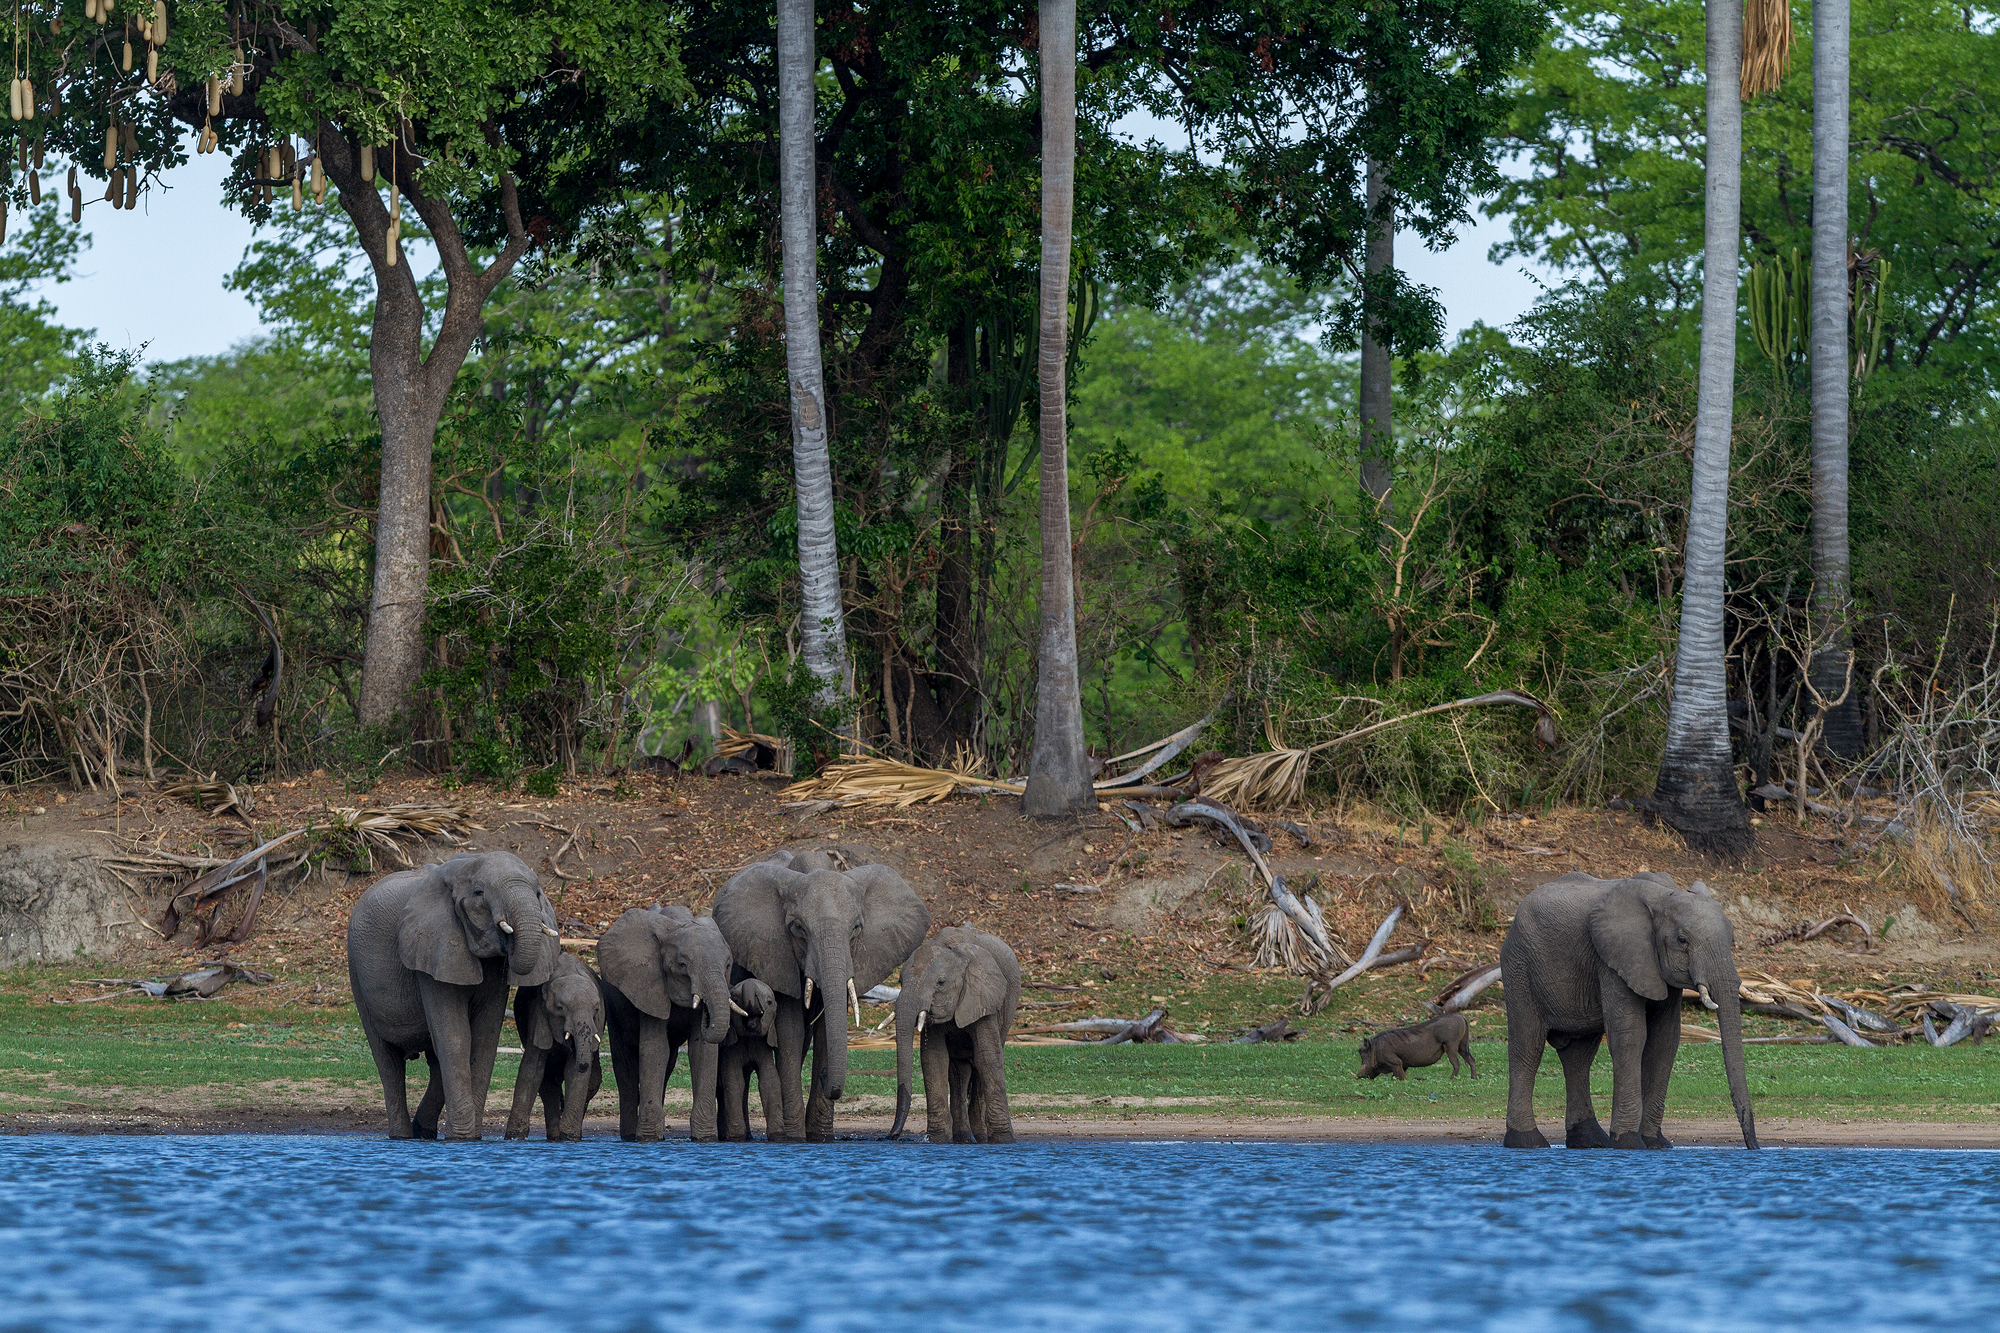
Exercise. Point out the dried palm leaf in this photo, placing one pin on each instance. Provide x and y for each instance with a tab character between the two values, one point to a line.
201	792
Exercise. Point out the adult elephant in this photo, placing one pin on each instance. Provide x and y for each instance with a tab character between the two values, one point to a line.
430	954
1593	959
817	929
665	973
959	995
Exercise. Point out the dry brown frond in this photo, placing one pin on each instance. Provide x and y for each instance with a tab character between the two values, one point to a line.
873	780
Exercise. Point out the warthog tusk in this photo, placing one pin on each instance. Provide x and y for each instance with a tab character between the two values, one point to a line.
552	934
922	1014
506	929
809	993
1707	1001
738	1008
856	999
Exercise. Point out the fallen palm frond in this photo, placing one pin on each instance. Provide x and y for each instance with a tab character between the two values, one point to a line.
733	743
370	829
204	793
1806	930
1466	988
1314	949
1320	988
1277	778
200	982
871	780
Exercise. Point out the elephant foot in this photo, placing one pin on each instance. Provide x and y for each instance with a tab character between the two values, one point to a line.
1628	1140
1002	1136
1525	1138
1657	1142
1586	1134
418	1129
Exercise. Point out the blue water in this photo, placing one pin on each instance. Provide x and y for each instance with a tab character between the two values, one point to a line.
326	1233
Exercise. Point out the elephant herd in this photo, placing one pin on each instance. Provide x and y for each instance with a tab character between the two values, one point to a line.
772	975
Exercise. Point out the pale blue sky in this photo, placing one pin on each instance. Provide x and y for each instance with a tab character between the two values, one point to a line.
154	276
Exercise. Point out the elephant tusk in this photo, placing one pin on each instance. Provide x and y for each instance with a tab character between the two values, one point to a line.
697	1002
506	929
552	934
856	999
737	1008
922	1014
809	993
1707	1001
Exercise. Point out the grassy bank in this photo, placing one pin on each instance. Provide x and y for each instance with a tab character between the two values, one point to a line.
260	1049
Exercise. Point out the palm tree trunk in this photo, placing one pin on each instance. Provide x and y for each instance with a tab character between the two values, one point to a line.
1058	780
1832	663
1697	792
823	628
1377	364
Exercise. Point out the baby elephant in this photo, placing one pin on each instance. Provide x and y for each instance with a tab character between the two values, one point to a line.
750	1048
959	994
1404	1049
562	1025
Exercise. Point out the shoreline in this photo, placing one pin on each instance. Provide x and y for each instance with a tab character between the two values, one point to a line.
1781	1132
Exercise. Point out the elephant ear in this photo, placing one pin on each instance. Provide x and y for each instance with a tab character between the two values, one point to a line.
1621	930
629	957
751	918
985	989
531	1016
430	938
894	922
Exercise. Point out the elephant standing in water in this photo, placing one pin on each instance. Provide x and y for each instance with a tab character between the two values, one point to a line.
817	935
561	1024
1592	959
666	983
751	1048
959	994
430	954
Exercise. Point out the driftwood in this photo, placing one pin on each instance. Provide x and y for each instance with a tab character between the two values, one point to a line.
1847	1035
1114	1031
1462	992
1806	930
1305	915
1282	1030
1320	990
200	982
1857	1017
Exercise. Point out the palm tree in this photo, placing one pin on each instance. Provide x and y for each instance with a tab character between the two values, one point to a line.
824	631
1697	792
1058	776
1832	664
1378	445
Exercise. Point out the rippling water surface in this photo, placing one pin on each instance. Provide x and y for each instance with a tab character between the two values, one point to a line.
246	1233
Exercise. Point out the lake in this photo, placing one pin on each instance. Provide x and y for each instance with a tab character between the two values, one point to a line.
331	1232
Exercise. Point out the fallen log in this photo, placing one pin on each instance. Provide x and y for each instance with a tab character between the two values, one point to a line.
1857	1017
1461	993
1847	1035
1319	992
1282	1030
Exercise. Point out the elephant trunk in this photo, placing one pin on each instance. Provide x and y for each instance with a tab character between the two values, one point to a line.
906	1035
530	944
835	974
1729	1018
715	1005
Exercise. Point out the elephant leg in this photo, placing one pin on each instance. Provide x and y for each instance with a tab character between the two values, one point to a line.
819	1107
655	1063
390	1066
733	1118
448	1015
527	1083
1663	1042
625	1069
768	1097
575	1092
488	1015
937	1087
702	1070
553	1099
1625	1033
961	1100
996	1122
425	1122
1580	1126
791	1058
1526	1035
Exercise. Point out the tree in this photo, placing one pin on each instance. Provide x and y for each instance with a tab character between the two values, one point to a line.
417	98
1058	773
823	629
1697	793
1378	363
1833	663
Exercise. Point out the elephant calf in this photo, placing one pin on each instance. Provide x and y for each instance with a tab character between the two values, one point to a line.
960	991
562	1025
1403	1049
750	1048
